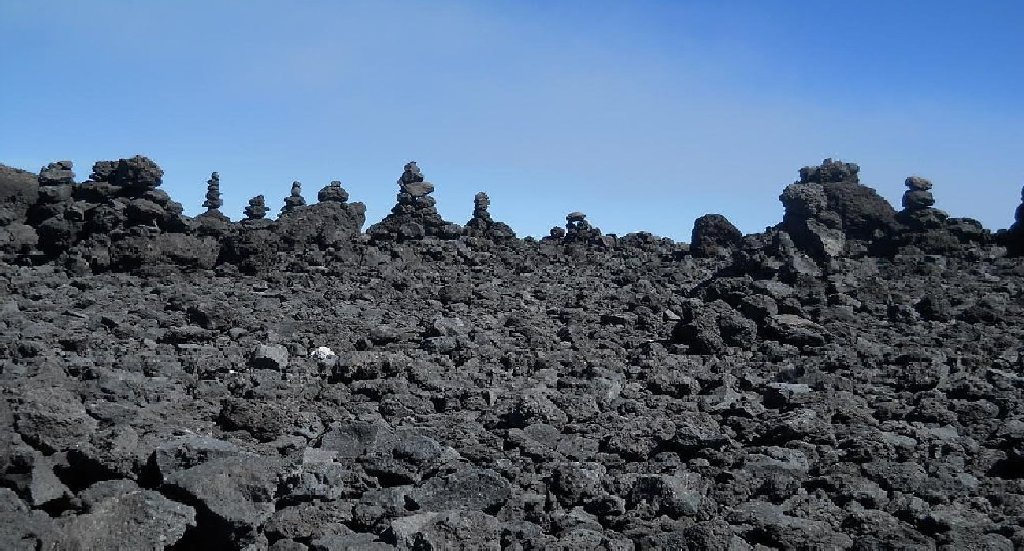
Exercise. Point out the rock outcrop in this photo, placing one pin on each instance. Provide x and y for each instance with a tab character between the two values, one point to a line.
829	206
1015	236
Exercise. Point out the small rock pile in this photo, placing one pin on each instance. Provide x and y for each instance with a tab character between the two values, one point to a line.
295	200
578	230
918	211
330	223
415	215
332	193
483	225
257	208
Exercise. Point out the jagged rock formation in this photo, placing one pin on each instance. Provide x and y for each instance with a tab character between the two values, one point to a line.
576	392
295	199
714	234
829	206
415	215
483	225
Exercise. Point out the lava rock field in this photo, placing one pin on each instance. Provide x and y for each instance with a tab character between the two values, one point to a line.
852	378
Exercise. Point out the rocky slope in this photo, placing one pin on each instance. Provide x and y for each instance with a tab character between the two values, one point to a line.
850	379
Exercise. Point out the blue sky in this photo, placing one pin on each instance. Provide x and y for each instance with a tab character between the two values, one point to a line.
643	114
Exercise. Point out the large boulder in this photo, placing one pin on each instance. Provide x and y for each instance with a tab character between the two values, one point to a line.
325	224
829	205
713	233
176	249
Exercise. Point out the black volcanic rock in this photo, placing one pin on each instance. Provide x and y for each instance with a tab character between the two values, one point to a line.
713	233
295	384
256	209
415	216
483	225
1015	235
330	223
829	205
294	199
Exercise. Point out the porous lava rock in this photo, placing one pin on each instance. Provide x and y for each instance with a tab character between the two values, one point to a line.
713	234
294	384
294	199
1015	235
829	205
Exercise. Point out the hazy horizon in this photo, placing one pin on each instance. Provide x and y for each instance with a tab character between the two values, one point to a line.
644	115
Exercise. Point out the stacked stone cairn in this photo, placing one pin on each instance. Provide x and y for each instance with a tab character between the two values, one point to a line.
918	211
483	225
578	230
332	193
415	215
295	200
257	208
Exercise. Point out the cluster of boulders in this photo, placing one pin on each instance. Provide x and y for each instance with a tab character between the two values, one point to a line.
1015	235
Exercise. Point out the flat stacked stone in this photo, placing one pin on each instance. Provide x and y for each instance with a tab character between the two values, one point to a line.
578	230
918	211
483	225
213	195
295	199
415	215
257	208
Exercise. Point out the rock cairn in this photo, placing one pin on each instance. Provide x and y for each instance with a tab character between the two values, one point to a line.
257	209
918	211
578	230
482	224
213	198
415	215
295	199
713	234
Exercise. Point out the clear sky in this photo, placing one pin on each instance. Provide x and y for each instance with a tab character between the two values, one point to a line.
643	114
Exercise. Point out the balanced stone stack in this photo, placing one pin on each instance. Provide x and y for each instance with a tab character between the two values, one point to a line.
918	211
483	225
415	215
295	200
578	230
213	221
257	208
332	193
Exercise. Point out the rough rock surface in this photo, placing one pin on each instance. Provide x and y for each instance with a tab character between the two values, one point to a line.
292	384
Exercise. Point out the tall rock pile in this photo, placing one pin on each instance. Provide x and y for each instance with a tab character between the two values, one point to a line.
578	230
415	215
213	221
295	199
829	206
483	225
